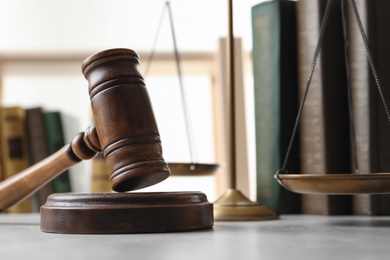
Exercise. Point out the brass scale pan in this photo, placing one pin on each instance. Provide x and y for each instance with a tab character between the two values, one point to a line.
373	183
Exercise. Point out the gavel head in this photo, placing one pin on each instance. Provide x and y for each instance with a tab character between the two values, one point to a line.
124	119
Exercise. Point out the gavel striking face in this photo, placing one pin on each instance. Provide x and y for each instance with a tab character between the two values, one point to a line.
124	119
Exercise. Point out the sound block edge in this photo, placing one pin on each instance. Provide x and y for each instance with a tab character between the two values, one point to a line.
125	213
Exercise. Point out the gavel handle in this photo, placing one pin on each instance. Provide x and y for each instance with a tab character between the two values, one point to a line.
26	182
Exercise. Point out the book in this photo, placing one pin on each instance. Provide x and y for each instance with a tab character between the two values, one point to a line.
371	124
324	125
14	148
100	175
275	99
55	141
37	149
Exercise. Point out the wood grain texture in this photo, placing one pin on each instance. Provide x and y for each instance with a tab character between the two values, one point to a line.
124	119
26	182
96	213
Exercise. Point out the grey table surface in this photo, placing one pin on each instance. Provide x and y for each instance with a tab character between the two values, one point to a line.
290	237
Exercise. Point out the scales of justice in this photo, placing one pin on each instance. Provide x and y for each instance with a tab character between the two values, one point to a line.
125	131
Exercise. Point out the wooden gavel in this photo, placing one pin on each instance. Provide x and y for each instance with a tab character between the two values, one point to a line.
125	131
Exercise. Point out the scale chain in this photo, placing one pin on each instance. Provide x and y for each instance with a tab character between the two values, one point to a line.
308	81
311	71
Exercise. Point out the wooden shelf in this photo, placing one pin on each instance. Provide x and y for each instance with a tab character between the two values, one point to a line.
68	55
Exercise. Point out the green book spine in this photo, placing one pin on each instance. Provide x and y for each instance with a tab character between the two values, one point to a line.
55	140
276	99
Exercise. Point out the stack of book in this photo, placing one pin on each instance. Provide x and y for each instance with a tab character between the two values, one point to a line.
26	137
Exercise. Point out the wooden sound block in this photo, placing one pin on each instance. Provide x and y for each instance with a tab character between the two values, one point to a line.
114	213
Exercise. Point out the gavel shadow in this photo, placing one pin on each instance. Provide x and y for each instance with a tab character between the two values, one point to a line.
125	131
